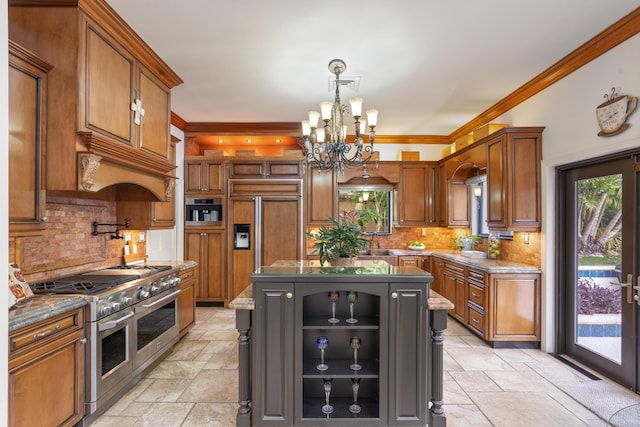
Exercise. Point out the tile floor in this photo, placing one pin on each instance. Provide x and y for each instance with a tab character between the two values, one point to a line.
196	385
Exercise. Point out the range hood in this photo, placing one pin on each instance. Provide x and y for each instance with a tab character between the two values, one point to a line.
104	166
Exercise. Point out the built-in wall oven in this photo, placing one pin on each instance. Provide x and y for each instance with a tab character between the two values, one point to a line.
132	320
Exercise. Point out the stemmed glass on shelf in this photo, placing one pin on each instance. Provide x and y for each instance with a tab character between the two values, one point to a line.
322	342
327	408
352	297
355	386
333	297
355	342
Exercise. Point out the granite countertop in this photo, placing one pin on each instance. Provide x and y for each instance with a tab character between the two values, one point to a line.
42	307
487	265
245	301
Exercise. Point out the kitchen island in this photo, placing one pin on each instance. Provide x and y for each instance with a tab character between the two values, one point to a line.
344	346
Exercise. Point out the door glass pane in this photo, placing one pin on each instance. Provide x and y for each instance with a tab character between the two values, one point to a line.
599	246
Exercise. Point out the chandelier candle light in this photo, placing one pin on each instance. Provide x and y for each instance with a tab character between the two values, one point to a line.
326	147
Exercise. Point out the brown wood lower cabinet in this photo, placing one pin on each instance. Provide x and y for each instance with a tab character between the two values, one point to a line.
187	299
46	372
499	307
207	248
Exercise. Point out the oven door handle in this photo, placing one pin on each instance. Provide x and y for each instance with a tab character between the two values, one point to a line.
110	324
145	307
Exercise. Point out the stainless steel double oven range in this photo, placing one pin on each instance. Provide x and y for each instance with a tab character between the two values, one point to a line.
131	321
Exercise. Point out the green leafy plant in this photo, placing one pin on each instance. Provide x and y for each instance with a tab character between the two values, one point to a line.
463	242
344	239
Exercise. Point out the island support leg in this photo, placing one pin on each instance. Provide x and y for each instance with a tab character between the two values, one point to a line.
243	325
438	320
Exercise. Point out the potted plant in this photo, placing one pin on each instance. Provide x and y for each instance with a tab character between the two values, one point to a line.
343	240
466	242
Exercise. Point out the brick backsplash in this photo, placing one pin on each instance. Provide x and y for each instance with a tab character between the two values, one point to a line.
67	245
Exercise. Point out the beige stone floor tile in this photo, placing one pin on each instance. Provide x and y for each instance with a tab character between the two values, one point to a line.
449	363
129	397
465	416
222	361
176	369
187	350
456	341
514	355
114	421
519	381
474	381
164	390
162	414
212	386
523	409
136	409
220	347
478	359
212	415
454	394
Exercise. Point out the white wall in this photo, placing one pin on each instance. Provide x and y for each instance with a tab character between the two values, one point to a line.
164	245
567	110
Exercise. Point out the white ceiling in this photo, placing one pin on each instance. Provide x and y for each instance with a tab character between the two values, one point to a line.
428	66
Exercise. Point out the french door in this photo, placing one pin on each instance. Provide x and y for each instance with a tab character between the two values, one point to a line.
598	268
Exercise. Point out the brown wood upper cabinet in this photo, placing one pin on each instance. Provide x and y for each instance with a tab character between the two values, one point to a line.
513	179
265	169
203	175
321	197
27	139
104	75
417	194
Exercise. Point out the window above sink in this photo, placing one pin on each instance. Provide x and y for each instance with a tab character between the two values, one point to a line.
372	203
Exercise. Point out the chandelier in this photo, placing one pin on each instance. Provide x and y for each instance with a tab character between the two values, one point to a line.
325	147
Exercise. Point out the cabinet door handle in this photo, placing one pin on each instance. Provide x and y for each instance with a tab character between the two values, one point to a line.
83	341
45	333
45	218
394	295
289	295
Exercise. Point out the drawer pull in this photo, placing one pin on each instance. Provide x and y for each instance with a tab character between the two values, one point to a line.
45	333
289	295
475	295
474	320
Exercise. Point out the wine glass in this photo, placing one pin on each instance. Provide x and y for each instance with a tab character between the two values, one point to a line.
322	342
326	408
333	297
356	342
355	386
352	297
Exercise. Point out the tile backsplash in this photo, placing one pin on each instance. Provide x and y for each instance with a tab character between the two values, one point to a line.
67	245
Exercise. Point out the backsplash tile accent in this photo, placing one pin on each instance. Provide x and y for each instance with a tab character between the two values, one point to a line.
67	245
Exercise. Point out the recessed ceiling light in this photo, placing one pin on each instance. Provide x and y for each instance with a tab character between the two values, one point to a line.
249	141
221	141
277	140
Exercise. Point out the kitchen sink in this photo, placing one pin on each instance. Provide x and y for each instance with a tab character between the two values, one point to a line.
377	252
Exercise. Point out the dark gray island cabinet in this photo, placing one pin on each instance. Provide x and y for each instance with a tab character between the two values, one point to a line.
340	346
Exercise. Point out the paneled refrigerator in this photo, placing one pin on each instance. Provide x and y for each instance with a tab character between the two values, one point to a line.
262	229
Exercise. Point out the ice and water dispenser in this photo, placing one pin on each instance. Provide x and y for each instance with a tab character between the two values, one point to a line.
203	211
241	233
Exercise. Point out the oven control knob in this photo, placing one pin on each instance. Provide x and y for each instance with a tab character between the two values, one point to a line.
175	281
164	285
105	310
115	306
126	301
154	289
143	293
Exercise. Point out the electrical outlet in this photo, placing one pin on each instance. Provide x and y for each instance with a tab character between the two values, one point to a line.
141	236
127	238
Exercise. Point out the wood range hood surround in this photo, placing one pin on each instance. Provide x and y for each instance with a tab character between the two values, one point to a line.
104	165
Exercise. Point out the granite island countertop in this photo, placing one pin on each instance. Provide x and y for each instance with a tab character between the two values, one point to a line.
245	301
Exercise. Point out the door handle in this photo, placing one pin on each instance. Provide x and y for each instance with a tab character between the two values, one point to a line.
630	288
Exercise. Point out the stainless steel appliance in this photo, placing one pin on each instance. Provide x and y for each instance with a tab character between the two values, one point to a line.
131	321
203	211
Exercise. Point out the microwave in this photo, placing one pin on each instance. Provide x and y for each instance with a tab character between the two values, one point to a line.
203	211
